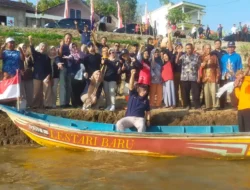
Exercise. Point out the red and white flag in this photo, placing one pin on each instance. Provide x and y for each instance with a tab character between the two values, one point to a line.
146	14
119	15
92	14
66	9
10	88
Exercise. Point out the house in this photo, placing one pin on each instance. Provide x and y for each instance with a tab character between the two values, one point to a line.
13	13
77	9
158	16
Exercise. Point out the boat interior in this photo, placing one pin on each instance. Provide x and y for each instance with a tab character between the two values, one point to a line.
54	121
95	126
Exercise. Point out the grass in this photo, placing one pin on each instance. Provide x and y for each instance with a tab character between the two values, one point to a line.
50	37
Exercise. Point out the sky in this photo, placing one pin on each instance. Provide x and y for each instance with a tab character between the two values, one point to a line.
225	12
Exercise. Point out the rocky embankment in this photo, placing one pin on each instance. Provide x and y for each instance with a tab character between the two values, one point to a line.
10	134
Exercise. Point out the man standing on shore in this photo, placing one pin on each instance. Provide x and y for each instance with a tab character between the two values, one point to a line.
230	64
219	53
219	30
190	78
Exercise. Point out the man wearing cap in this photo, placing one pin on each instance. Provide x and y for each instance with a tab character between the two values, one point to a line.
85	34
230	64
12	59
92	60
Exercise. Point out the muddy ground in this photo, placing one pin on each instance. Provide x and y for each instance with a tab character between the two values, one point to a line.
10	134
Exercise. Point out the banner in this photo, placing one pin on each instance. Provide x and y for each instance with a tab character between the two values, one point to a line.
10	21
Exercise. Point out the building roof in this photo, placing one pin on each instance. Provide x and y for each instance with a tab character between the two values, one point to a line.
186	3
16	5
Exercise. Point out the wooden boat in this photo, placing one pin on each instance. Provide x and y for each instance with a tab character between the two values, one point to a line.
160	141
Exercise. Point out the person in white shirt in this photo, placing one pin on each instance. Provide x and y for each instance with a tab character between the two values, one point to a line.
194	32
234	32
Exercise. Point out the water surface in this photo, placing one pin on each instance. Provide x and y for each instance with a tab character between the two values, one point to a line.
42	168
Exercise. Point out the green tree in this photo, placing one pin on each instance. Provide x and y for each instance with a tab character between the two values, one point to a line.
46	4
177	16
109	7
104	7
164	2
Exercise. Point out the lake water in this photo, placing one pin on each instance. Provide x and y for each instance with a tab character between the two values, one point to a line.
42	168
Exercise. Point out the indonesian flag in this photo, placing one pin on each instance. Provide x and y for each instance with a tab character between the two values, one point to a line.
146	15
66	9
92	14
10	88
119	15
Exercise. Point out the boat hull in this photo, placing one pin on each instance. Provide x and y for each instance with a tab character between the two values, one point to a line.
158	145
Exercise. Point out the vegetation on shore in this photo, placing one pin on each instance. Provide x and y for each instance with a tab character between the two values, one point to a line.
48	36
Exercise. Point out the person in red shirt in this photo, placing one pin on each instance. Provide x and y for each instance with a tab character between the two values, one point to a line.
145	72
168	82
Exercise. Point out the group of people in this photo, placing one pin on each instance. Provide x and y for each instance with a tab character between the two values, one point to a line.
148	76
240	33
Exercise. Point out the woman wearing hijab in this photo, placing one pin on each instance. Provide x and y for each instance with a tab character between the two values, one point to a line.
156	80
27	75
92	91
52	53
168	82
41	76
145	75
77	82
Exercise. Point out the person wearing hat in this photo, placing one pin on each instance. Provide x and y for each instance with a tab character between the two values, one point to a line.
92	61
128	63
12	59
138	111
230	64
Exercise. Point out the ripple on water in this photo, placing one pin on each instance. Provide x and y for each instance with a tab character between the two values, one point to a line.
43	168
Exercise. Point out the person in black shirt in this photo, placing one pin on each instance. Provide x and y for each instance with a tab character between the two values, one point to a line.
200	30
208	31
219	53
92	61
41	76
111	71
101	45
65	71
129	62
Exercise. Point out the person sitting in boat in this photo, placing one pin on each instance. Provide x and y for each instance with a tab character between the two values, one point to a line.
91	96
138	107
242	93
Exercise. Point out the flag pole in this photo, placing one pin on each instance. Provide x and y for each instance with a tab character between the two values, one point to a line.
18	90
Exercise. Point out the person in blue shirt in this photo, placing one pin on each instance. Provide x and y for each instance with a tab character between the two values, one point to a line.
12	59
138	107
230	64
85	33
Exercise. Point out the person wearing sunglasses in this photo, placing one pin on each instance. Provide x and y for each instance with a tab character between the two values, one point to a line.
111	71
